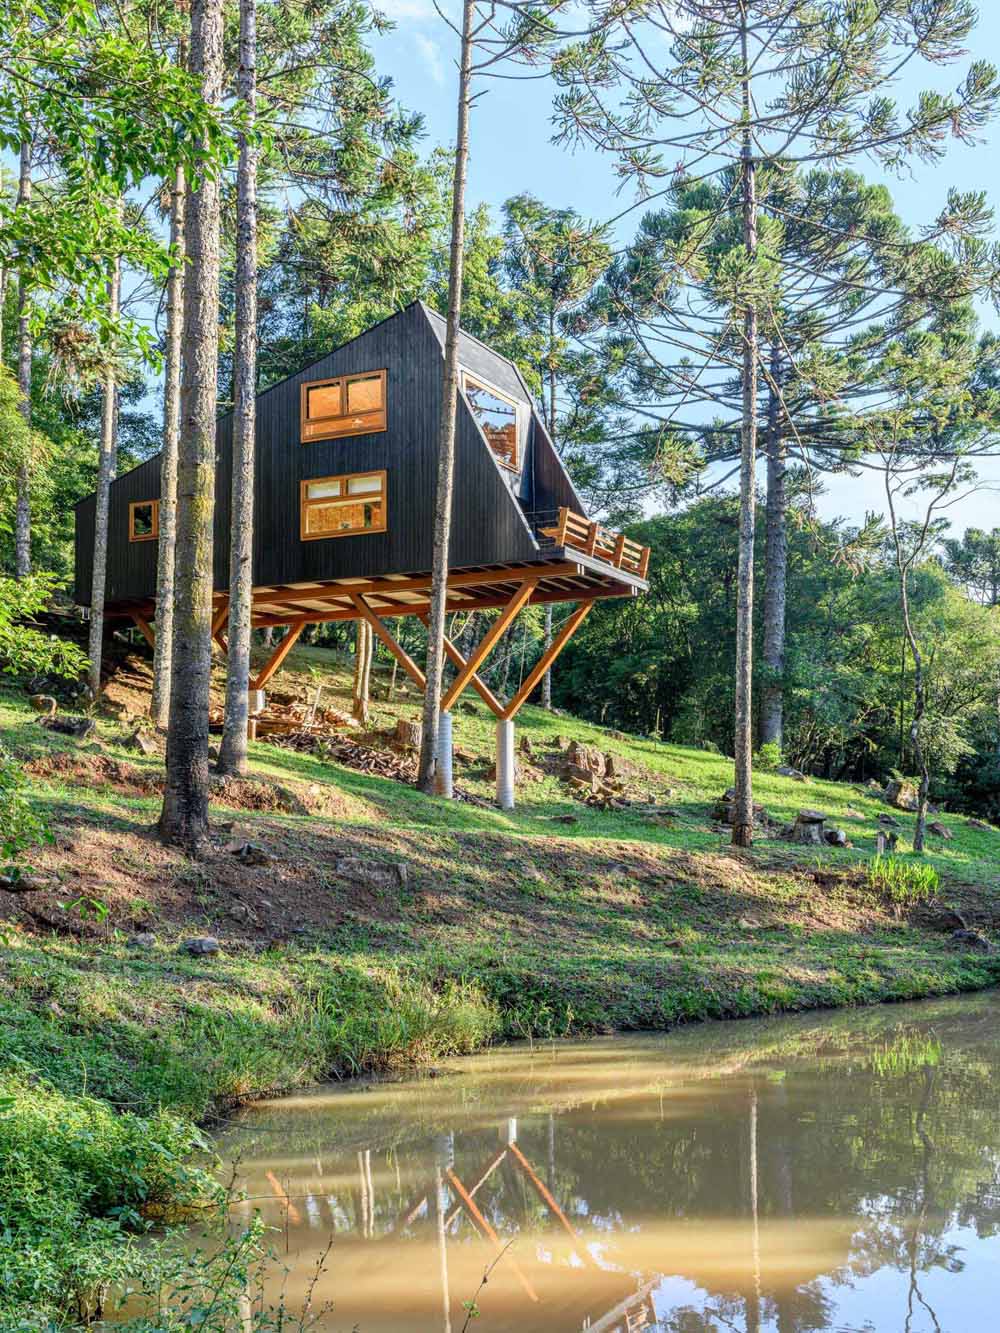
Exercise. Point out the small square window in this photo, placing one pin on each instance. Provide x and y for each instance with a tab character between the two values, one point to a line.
343	506
348	405
144	520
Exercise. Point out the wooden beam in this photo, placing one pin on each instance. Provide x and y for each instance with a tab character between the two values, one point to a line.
546	659
484	1176
485	1229
220	617
479	685
483	648
278	656
144	626
403	658
221	644
545	1195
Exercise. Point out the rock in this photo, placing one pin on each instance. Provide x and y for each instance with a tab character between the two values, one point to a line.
77	727
940	830
587	757
561	742
952	919
213	753
144	939
565	819
576	773
377	874
617	766
201	946
141	742
888	820
468	707
808	828
525	746
22	883
811	817
249	853
979	824
786	771
836	837
901	794
43	703
408	734
971	939
850	813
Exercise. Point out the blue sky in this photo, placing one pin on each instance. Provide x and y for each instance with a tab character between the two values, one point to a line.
511	151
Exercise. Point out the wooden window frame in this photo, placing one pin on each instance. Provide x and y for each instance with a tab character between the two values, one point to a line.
479	382
144	536
342	423
305	504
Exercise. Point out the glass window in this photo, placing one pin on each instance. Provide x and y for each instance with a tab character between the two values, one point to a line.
348	405
497	416
144	520
339	506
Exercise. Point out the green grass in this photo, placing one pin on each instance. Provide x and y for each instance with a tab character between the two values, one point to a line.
509	925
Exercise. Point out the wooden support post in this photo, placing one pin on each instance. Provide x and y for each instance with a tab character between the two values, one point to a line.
479	685
590	546
543	1192
479	654
619	550
145	628
546	659
563	522
220	617
486	1230
278	656
402	657
644	562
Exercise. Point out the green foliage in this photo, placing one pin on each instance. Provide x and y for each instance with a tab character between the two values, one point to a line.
20	826
768	757
902	883
25	651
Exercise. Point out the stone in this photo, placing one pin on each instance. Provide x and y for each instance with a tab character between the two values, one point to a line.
561	742
786	771
21	883
43	703
77	727
408	734
201	946
811	817
143	939
808	828
525	746
850	813
467	706
576	773
836	837
565	819
888	820
249	853
901	794
617	766
952	919
213	753
141	742
979	824
377	874
940	830
587	757
971	939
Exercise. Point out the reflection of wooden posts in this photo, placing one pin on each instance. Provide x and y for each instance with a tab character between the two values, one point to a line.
487	1231
544	1194
442	1241
753	1307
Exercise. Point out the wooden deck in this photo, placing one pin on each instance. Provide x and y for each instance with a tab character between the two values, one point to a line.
593	539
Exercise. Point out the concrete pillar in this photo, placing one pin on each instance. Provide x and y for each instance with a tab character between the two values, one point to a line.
505	764
443	779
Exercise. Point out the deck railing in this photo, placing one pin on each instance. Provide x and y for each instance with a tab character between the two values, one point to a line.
592	538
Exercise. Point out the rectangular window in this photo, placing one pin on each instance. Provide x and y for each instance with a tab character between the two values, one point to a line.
144	521
348	405
498	418
340	506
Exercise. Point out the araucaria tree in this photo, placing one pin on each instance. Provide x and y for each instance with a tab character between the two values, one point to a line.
184	817
699	90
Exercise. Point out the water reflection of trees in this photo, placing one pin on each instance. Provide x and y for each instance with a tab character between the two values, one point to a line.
893	1137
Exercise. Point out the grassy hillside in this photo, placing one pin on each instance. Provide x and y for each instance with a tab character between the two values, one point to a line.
548	920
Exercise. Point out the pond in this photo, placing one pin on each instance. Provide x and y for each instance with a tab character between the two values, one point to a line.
836	1171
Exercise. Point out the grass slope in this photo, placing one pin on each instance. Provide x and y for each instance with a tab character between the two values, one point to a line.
507	924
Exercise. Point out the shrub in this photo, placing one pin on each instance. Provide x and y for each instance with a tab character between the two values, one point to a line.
768	757
903	883
20	827
25	651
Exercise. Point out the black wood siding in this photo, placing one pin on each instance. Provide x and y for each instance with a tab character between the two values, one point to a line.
488	526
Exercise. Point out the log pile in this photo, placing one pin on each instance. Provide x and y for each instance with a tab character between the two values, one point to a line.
604	781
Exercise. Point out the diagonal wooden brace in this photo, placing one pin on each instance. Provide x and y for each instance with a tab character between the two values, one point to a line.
479	685
278	656
402	657
145	628
483	648
546	660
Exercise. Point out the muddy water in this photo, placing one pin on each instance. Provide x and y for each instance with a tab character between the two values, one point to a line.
837	1172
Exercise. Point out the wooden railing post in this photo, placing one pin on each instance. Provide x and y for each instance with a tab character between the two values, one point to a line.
619	550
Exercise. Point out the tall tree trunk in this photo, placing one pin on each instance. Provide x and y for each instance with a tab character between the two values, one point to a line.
22	514
362	670
546	645
159	707
3	305
233	751
184	818
106	466
775	565
446	436
547	637
743	812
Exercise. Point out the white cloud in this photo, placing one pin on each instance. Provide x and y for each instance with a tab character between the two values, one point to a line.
432	57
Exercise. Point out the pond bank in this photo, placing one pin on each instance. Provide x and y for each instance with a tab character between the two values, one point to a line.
110	1057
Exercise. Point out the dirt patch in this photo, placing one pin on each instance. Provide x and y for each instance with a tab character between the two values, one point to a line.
95	770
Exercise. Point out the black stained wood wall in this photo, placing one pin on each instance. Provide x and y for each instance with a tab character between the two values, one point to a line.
488	525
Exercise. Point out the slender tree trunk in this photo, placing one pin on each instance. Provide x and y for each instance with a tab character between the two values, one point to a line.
547	638
3	305
547	644
449	407
106	467
362	670
22	513
775	566
919	708
743	813
163	648
233	751
184	818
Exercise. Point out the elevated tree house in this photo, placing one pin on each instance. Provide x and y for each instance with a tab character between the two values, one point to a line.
343	519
